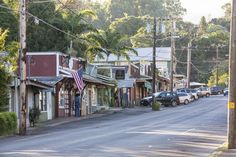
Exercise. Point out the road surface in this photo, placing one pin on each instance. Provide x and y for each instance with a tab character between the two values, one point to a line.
190	130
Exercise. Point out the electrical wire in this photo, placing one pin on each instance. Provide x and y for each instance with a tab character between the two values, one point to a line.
199	71
46	23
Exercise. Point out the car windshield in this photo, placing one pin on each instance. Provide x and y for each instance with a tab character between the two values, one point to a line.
155	94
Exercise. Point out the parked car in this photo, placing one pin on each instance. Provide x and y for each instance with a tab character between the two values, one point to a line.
184	98
186	90
226	91
216	90
195	94
205	91
147	101
168	98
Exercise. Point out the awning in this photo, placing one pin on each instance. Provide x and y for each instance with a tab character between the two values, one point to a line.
125	83
51	81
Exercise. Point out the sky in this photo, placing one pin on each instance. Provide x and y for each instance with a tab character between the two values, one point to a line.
198	8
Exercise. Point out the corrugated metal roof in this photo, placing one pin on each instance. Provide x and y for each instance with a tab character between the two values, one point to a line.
51	81
144	54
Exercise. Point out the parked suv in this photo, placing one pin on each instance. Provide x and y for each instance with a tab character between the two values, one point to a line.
205	91
216	90
147	101
168	98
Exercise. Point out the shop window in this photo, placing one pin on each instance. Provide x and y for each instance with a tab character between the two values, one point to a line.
62	98
43	100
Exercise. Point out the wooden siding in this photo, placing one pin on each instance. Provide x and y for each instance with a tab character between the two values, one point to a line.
41	65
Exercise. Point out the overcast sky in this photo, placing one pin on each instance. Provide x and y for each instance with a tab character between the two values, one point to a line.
198	8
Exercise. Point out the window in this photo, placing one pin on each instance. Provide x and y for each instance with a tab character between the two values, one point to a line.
168	94
120	74
43	100
162	95
62	98
104	72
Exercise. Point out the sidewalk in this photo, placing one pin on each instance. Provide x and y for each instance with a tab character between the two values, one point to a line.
60	121
223	151
228	153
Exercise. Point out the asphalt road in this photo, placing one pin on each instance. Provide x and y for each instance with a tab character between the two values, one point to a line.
195	129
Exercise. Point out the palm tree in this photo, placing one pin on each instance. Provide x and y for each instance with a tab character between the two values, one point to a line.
108	42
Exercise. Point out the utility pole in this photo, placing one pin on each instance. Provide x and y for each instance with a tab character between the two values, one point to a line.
232	82
217	65
172	56
154	60
23	105
189	63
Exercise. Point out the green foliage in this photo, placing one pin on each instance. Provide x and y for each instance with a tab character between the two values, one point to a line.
227	11
174	8
117	8
202	26
156	106
112	104
4	75
8	121
34	114
128	25
108	42
4	90
9	19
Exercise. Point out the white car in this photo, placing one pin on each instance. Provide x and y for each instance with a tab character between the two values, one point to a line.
195	94
184	98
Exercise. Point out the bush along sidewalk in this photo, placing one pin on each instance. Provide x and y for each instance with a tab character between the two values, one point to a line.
156	106
8	123
34	114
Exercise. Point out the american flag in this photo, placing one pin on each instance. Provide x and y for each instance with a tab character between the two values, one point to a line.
78	76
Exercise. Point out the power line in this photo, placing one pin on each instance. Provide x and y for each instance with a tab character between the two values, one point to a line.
50	25
199	71
46	23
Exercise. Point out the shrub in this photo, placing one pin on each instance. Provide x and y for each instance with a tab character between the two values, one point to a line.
156	106
8	123
34	114
112	104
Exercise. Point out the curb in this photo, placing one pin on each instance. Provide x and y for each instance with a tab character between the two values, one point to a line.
219	150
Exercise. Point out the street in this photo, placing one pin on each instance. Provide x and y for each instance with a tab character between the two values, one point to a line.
195	129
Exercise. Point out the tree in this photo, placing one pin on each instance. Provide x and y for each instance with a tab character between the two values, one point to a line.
8	20
4	77
108	42
117	8
127	25
42	37
174	9
202	26
227	11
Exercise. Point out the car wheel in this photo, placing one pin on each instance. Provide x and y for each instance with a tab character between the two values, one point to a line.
218	93
207	95
186	102
174	103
